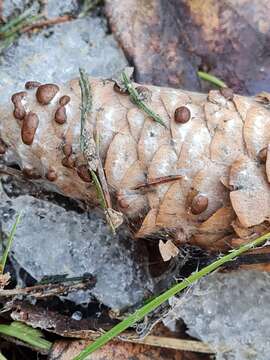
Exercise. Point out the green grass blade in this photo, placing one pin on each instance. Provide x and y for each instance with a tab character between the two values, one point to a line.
2	357
211	78
26	334
15	30
7	42
156	302
14	22
11	30
9	244
100	194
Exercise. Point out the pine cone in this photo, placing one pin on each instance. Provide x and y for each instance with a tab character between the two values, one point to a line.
204	177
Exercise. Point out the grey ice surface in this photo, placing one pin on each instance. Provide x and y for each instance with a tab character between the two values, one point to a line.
58	8
55	55
229	311
51	240
10	7
52	8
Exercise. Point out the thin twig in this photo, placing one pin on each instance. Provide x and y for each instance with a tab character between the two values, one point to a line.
6	170
173	343
15	21
157	181
10	31
43	291
46	23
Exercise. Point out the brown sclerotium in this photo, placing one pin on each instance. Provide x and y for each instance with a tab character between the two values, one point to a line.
29	127
64	100
182	115
46	92
120	90
31	173
32	85
68	162
83	173
262	155
199	204
67	150
2	147
122	201
19	110
60	115
51	174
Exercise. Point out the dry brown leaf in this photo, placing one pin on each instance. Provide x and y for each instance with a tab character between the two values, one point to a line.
67	350
4	280
167	250
168	41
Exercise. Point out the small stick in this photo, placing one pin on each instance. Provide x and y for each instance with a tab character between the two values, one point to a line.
158	181
10	171
42	291
173	343
46	22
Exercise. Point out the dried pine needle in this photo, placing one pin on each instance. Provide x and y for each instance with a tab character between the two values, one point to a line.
136	99
89	147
